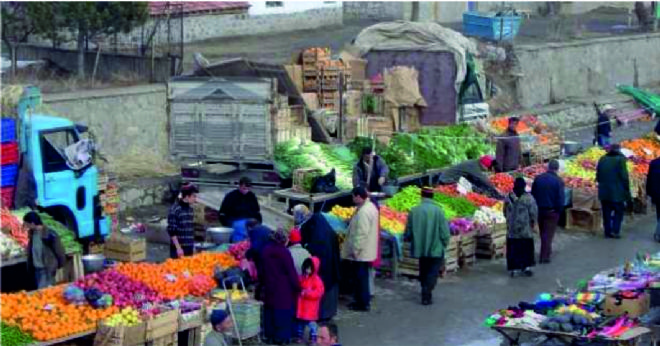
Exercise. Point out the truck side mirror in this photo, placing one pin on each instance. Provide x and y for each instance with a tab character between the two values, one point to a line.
81	128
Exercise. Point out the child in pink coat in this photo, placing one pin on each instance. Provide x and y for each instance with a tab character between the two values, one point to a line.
309	299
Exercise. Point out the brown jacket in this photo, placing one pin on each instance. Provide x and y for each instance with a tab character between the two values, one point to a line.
53	253
508	153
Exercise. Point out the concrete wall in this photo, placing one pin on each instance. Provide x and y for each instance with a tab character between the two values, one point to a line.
210	26
373	10
557	72
122	119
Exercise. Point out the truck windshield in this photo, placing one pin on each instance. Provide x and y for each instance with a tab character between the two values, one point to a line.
53	144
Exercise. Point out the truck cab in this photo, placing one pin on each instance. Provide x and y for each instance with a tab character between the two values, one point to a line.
70	195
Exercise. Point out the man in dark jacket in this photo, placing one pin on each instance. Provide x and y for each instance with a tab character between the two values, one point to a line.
613	189
472	171
603	126
508	152
239	206
548	191
370	172
653	191
180	221
45	253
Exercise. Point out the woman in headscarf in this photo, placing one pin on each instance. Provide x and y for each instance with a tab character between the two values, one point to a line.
281	286
321	241
520	211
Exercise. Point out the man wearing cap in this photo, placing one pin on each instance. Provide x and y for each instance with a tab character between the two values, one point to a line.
508	153
428	232
613	189
473	171
548	191
180	223
221	324
238	207
603	126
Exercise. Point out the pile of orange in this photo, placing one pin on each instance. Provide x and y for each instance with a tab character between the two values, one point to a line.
172	278
45	314
642	147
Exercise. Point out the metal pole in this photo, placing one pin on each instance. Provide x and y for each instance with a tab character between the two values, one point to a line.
340	130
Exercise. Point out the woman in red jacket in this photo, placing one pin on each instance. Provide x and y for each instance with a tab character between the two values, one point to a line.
309	299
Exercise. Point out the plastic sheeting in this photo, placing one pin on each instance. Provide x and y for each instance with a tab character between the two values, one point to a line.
417	36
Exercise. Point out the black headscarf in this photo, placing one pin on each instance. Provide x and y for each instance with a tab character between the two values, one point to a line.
519	186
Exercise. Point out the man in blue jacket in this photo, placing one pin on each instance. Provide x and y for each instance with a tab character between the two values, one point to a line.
548	191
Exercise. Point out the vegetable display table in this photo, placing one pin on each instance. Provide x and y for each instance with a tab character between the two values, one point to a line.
512	336
13	261
312	200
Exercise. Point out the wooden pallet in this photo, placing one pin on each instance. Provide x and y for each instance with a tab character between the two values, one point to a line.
491	246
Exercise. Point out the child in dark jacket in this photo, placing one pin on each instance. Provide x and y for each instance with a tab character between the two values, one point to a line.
309	299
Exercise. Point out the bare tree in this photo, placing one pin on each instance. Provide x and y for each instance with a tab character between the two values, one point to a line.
16	28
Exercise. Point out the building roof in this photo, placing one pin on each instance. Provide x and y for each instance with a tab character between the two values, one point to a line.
158	8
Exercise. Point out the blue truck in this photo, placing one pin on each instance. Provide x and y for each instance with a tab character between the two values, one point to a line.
68	194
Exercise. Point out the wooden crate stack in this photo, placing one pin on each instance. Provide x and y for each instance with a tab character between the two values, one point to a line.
493	245
290	122
467	250
585	216
410	266
312	62
109	197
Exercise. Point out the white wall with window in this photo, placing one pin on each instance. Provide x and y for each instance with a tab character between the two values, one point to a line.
285	7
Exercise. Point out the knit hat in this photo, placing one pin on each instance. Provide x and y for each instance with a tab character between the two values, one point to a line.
279	236
295	237
486	161
218	316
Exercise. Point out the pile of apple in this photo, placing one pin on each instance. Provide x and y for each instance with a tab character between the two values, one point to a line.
127	317
124	291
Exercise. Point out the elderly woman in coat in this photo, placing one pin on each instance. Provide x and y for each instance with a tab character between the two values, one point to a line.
520	211
281	286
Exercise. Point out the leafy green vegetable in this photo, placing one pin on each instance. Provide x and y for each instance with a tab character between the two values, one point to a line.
67	237
14	336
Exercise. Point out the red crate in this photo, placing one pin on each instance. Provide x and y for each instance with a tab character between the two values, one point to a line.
7	197
9	153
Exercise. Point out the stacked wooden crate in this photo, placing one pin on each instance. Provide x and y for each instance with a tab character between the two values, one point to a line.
289	122
410	266
585	215
493	244
467	250
312	61
109	197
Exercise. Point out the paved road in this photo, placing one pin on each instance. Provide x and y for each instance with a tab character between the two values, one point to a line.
465	300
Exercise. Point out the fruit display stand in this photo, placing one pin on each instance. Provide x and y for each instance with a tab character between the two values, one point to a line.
409	266
309	199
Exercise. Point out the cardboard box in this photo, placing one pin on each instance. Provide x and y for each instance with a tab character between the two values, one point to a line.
120	335
634	307
125	249
167	323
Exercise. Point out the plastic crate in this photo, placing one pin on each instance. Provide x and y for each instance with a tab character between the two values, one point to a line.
8	153
7	197
9	173
491	27
8	130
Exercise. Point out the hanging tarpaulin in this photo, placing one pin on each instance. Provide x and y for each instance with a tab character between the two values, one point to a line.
646	99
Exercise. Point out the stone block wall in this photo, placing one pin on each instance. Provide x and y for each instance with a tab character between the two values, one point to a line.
558	72
122	119
144	192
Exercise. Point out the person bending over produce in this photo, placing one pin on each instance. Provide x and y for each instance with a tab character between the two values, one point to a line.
222	324
428	231
45	253
180	223
237	207
473	171
508	153
370	171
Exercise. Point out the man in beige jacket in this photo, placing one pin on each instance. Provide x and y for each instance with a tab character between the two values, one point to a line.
361	247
